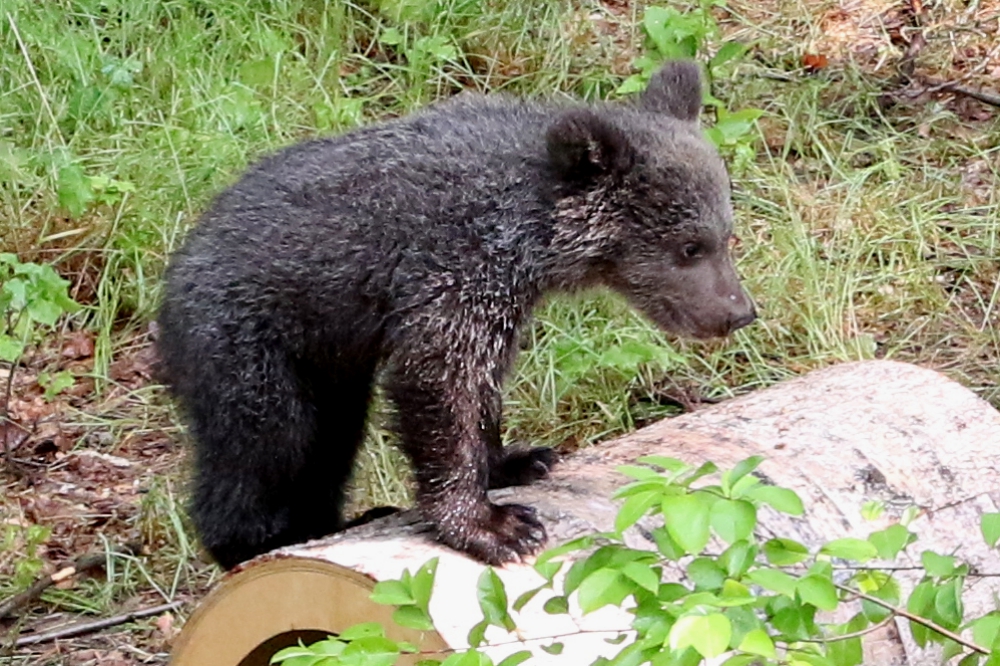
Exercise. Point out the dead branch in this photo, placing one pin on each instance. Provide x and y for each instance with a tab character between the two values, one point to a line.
81	564
81	628
993	99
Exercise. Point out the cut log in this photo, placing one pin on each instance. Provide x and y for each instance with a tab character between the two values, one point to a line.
876	430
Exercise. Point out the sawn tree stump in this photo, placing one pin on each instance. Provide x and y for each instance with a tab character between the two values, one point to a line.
875	430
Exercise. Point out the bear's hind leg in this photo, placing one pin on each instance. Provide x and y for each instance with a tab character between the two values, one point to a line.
342	400
253	428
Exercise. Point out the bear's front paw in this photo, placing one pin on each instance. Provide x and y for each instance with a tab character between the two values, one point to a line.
521	466
509	533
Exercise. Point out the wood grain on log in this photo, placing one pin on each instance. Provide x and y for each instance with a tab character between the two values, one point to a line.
875	430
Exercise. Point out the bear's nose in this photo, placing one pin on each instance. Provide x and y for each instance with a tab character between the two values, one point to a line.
740	320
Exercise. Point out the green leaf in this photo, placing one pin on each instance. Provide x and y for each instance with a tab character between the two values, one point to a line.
950	649
687	521
669	548
780	499
656	23
774	580
948	607
847	651
706	574
633	84
735	594
817	591
121	72
784	552
516	658
493	600
741	469
640	473
694	601
920	603
643	575
75	192
936	565
809	659
821	567
391	593
423	583
758	642
604	587
672	592
547	570
794	622
989	523
666	463
850	548
741	487
703	470
890	541
922	599
467	658
872	510
708	634
729	51
293	652
634	508
986	631
370	651
881	586
628	355
733	520
54	384
741	660
525	598
477	634
737	558
44	311
577	572
10	348
556	606
363	630
412	617
580	543
973	659
391	37
554	648
437	47
744	115
16	293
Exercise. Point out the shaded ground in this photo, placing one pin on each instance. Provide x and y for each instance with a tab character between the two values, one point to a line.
118	490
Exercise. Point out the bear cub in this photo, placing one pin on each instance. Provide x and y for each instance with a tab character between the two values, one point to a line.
413	251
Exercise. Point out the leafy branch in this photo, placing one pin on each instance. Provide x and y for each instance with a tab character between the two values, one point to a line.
755	602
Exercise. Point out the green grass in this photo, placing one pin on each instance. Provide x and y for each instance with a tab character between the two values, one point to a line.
867	230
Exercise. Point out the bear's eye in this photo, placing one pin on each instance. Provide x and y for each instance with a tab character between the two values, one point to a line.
692	250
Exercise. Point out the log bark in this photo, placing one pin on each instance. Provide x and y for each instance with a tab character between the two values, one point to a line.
875	430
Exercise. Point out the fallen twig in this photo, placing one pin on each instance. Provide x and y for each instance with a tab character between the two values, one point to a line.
95	625
83	563
993	99
956	87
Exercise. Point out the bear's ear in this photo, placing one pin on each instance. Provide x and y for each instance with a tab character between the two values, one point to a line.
582	145
674	90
